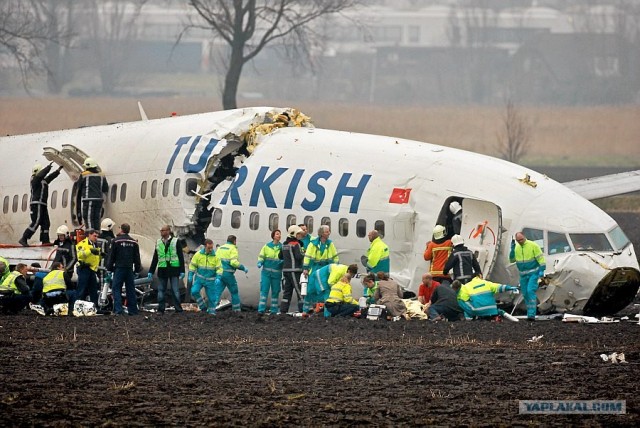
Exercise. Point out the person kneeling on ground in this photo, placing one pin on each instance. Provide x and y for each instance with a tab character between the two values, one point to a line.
390	295
54	288
15	294
444	303
340	302
476	298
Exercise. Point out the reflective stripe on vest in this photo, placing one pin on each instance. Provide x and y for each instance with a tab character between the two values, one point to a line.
54	281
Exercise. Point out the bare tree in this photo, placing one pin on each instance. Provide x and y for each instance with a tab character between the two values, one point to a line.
515	137
248	26
24	33
112	30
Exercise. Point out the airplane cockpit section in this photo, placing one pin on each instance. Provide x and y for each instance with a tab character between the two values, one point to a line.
574	260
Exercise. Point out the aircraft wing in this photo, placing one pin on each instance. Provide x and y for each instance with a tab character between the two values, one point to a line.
606	185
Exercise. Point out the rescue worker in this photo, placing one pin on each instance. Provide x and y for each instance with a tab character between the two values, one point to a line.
320	251
462	263
204	270
321	280
168	257
4	269
91	186
40	179
54	288
389	294
271	275
444	304
476	298
528	257
228	254
426	288
65	253
106	234
88	261
306	237
437	252
15	294
292	256
124	261
340	302
377	258
456	221
37	285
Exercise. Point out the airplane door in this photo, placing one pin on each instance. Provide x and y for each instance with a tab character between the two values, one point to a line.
481	230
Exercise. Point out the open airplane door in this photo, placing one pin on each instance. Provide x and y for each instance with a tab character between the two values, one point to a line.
71	159
481	230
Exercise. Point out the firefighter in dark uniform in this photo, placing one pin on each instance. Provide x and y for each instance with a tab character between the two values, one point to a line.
91	186
66	253
123	261
40	179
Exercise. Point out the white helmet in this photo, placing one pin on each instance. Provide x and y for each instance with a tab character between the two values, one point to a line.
90	163
62	230
457	240
439	231
107	224
36	169
454	207
293	230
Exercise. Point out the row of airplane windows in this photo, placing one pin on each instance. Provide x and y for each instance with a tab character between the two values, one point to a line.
16	204
274	220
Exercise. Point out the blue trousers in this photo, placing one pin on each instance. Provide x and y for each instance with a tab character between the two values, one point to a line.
528	288
175	292
269	280
87	284
209	287
228	280
311	299
120	276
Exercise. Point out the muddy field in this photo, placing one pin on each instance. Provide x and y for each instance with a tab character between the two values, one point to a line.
241	370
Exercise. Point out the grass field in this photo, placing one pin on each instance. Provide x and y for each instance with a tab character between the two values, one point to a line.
598	136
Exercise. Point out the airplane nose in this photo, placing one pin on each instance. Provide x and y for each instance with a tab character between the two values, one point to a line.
615	291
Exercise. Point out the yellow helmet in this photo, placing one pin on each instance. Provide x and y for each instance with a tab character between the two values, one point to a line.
90	163
36	169
439	232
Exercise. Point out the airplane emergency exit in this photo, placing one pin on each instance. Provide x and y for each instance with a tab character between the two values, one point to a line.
247	172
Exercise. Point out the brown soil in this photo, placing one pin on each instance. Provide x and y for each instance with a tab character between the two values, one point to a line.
242	370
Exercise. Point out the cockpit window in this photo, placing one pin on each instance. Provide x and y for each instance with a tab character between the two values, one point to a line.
590	241
535	235
558	243
618	238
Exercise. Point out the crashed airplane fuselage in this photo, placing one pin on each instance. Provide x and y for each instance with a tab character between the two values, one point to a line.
247	172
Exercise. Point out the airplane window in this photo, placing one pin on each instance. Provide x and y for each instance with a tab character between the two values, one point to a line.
192	186
123	192
25	202
379	226
618	238
361	228
216	218
291	219
326	221
273	221
343	227
65	198
535	235
114	192
5	205
235	219
14	206
308	220
143	190
254	221
590	241
154	188
54	199
176	187
558	243
165	188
